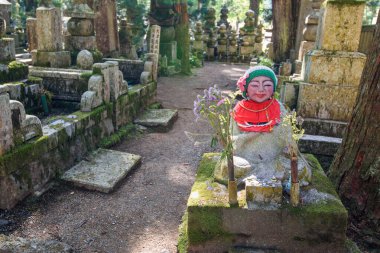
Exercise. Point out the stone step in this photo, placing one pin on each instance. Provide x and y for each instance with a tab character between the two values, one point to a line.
331	128
251	250
319	145
159	119
102	170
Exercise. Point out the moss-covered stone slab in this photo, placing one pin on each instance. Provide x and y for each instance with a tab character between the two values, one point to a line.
211	225
102	170
158	119
19	244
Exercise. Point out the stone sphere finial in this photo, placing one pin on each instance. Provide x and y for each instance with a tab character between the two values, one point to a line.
85	59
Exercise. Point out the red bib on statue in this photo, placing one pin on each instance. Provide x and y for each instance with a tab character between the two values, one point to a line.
251	116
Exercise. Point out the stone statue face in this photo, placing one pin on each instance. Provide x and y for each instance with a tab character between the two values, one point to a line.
260	89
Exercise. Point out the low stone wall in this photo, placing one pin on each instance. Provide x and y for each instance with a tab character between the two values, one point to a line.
131	69
65	141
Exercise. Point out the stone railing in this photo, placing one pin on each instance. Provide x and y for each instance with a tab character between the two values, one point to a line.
65	141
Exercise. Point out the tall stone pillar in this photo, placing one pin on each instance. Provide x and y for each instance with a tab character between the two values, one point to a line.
6	127
31	31
332	71
49	51
154	43
107	36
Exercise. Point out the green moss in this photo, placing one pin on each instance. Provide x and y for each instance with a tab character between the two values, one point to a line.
155	106
205	224
96	55
16	71
117	137
34	80
28	151
351	247
183	238
86	76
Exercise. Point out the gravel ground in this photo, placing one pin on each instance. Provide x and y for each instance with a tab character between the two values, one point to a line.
144	212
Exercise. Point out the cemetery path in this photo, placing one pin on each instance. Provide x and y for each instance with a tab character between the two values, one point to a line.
144	212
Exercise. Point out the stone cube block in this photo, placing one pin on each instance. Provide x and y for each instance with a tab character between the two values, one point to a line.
340	25
7	50
60	59
326	101
263	191
333	68
198	45
305	47
80	42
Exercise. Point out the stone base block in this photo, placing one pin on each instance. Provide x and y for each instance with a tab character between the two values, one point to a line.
263	191
232	50
246	50
159	119
333	67
222	49
317	225
298	67
198	45
78	43
60	59
289	94
305	47
319	145
169	49
326	101
258	48
7	50
102	170
329	128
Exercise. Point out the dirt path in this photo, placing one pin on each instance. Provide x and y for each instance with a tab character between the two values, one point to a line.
144	213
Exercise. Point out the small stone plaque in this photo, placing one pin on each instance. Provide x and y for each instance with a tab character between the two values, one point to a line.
102	170
161	119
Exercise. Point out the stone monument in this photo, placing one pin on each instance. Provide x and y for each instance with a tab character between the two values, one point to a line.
247	36
80	27
163	14
309	35
222	42
232	46
210	32
107	36
5	14
127	48
331	74
49	52
224	18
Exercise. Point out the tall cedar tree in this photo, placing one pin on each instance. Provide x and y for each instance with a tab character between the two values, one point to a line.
285	18
355	170
183	37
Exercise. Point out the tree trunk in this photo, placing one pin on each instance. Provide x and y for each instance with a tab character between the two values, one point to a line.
255	6
355	170
285	18
183	37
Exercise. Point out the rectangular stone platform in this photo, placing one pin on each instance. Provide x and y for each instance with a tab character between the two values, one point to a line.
211	225
158	119
102	170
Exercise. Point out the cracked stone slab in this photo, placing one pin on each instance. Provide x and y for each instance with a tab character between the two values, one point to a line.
159	119
102	170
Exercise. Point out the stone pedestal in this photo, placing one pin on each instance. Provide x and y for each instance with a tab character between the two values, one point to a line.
336	68
169	49
258	48
7	50
77	43
59	59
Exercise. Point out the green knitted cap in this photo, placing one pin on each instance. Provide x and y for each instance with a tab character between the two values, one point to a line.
259	71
